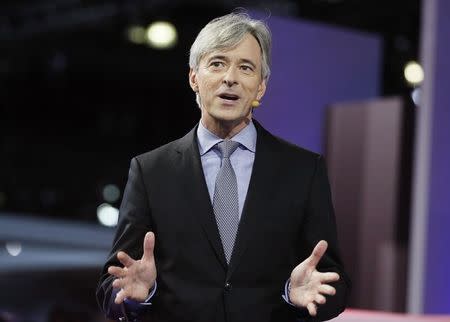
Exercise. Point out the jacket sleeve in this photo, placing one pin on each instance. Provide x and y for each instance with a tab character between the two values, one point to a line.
134	223
320	223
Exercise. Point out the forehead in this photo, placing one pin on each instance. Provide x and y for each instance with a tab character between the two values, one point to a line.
247	49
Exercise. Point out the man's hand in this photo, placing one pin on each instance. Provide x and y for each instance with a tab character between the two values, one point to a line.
308	286
137	277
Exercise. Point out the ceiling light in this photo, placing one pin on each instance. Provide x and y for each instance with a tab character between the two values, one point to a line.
161	35
413	73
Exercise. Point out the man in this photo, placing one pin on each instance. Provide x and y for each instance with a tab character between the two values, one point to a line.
228	223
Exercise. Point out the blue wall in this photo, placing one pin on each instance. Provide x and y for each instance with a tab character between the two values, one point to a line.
437	265
314	65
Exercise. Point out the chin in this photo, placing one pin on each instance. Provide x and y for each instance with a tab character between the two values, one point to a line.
229	118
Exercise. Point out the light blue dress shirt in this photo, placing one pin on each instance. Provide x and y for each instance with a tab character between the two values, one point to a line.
241	160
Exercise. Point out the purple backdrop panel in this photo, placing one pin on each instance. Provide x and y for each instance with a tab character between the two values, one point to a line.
314	65
437	277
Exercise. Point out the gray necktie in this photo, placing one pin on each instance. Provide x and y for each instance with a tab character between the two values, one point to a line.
225	200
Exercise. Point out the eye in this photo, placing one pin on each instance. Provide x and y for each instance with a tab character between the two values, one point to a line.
246	68
216	64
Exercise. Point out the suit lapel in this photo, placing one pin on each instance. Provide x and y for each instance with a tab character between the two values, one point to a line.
196	190
263	175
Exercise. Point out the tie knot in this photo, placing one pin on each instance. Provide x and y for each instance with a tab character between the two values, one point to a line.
227	147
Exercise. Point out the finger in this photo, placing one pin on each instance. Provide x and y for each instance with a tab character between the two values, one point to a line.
116	271
320	299
120	297
329	277
327	289
118	283
126	260
312	310
149	245
317	253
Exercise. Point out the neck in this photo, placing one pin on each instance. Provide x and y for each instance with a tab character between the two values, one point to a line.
225	130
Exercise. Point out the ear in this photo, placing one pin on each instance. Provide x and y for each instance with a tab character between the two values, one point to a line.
193	80
261	90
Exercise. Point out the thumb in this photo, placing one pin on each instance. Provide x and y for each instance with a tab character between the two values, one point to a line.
149	245
317	253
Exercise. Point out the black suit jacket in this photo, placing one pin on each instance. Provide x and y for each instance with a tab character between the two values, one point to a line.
288	209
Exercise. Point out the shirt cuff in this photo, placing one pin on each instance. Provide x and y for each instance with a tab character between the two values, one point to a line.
285	296
301	313
135	306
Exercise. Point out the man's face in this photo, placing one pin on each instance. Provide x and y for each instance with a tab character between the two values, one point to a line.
228	81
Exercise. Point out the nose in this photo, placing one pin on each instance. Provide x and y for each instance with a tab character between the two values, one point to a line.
230	77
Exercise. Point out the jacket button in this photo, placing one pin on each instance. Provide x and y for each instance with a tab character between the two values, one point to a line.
227	286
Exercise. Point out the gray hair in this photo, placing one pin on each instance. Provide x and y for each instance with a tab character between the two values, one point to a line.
226	32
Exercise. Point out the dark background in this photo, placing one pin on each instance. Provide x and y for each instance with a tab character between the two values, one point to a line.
78	100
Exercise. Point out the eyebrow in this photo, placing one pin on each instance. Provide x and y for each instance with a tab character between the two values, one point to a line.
248	61
222	57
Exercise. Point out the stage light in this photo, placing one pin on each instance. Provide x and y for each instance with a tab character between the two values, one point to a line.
161	35
137	35
13	248
107	215
416	96
413	73
111	193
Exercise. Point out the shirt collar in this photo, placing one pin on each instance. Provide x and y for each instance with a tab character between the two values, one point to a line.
206	139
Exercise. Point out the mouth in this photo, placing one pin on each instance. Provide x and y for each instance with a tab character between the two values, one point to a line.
229	97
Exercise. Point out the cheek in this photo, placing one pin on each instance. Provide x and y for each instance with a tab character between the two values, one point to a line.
209	84
252	87
206	84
